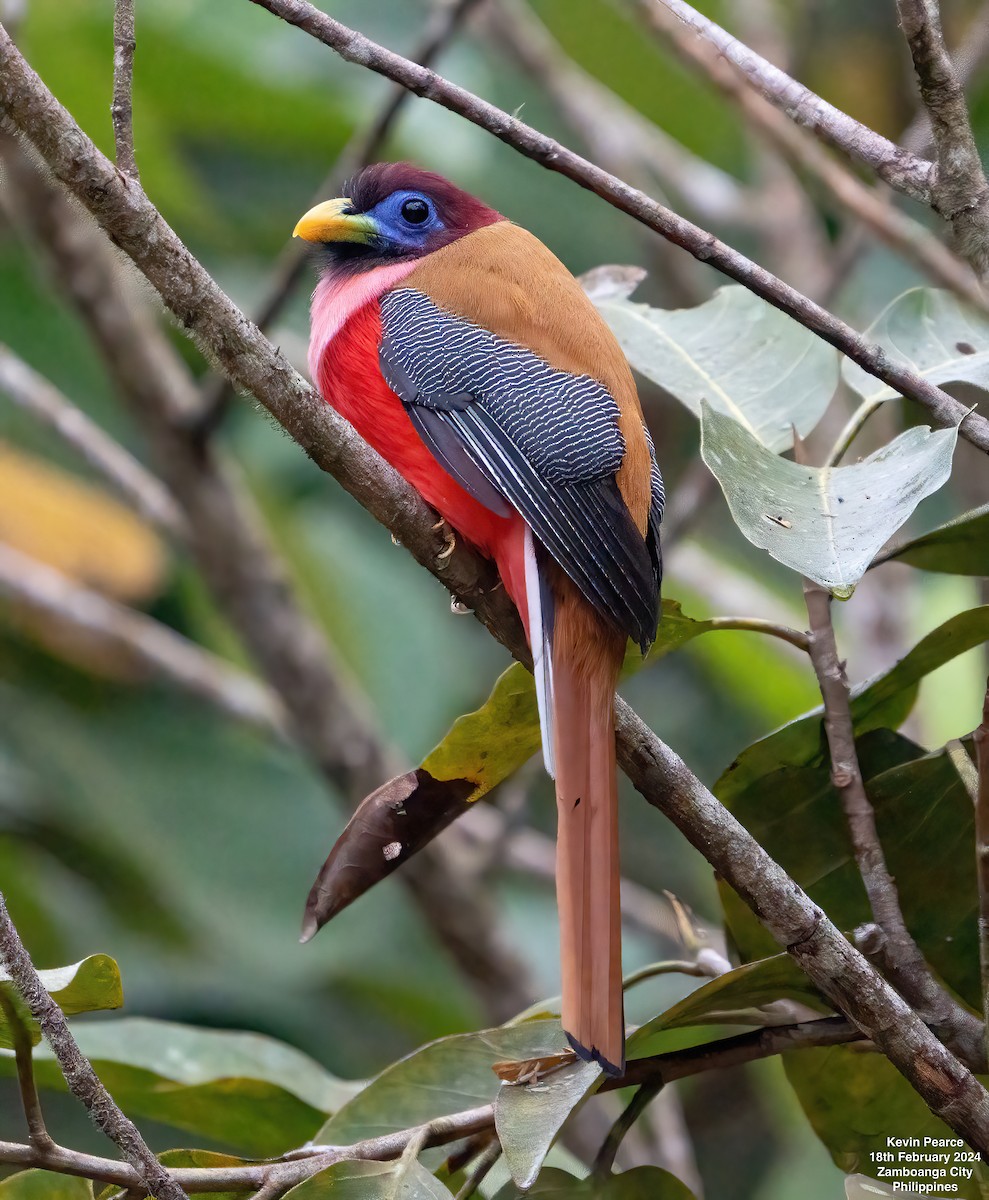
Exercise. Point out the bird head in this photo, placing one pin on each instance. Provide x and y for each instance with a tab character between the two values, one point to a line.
392	212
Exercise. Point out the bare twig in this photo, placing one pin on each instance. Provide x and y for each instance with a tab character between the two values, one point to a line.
783	633
478	1172
982	852
356	48
947	1087
605	1160
901	955
121	110
79	1075
144	644
904	171
38	1134
132	481
908	237
618	136
959	190
447	17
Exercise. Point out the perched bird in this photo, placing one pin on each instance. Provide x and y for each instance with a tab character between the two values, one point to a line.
468	356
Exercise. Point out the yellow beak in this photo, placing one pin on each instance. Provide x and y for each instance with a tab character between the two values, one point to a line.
330	222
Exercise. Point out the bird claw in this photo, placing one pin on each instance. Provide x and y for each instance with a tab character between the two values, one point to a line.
449	539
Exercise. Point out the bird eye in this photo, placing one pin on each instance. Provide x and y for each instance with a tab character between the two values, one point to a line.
415	211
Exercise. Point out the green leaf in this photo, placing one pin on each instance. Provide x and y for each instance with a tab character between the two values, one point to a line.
729	999
961	547
828	523
488	745
744	358
883	701
854	1099
528	1118
447	1076
925	822
362	1180
933	333
88	986
45	1185
243	1089
641	1183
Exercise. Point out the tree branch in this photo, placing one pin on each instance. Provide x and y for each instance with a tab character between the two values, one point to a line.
129	478
38	1134
146	646
831	962
79	1075
900	954
902	170
121	110
959	191
355	48
982	853
904	235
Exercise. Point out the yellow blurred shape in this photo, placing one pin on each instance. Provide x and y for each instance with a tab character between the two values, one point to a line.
77	528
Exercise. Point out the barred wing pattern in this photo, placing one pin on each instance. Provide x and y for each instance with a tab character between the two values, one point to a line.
512	430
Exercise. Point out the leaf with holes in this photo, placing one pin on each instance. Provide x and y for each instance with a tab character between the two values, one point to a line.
737	353
828	523
932	333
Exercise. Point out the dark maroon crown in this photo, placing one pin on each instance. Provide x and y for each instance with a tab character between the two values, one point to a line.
458	210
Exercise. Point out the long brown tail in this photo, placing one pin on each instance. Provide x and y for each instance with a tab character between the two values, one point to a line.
585	671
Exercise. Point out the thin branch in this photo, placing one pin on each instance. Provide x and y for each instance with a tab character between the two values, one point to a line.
700	969
38	1134
145	645
906	968
355	48
906	172
948	1088
960	192
122	110
617	135
80	1077
605	1160
479	1171
132	481
783	633
447	17
907	237
982	852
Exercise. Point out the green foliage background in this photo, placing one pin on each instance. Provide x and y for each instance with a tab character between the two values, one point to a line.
137	823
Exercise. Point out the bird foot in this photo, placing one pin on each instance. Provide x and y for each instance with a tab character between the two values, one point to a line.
449	540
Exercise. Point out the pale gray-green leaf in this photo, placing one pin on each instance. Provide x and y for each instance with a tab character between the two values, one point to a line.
610	282
361	1180
529	1116
933	333
736	352
827	523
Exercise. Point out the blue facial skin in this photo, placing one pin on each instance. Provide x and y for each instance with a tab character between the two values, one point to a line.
402	230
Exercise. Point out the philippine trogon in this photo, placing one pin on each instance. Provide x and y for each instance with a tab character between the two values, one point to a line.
469	357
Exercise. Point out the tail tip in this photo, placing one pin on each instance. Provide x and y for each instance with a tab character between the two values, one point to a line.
592	1054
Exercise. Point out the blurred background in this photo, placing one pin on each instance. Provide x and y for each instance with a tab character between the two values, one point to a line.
138	821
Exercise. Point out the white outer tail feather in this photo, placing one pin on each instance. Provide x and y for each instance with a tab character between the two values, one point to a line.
542	656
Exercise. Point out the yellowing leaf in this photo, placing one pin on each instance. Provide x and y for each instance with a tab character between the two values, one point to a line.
75	527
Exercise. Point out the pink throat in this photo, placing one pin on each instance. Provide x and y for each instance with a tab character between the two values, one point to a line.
337	298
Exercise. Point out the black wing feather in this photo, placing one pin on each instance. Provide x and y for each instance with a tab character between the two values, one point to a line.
508	426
